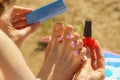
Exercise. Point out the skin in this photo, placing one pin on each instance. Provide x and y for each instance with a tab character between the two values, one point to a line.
12	63
54	63
60	59
17	32
15	26
94	67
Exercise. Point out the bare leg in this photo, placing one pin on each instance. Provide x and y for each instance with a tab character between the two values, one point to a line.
61	63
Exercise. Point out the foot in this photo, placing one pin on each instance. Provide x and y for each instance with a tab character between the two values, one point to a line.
15	25
63	55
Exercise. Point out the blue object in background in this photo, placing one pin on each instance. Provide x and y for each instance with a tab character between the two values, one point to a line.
46	12
112	66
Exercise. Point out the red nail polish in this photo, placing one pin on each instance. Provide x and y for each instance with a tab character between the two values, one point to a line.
88	40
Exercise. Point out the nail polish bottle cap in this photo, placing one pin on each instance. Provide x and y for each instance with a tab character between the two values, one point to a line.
87	29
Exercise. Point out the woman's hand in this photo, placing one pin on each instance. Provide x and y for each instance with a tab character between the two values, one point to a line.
15	26
94	67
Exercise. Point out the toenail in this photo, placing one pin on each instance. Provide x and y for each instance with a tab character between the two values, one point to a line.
60	38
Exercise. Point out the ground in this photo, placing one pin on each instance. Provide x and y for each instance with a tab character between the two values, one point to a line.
105	15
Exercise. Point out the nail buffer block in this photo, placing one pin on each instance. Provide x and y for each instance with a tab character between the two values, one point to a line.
46	12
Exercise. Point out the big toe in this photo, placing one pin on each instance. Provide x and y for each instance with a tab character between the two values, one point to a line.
57	30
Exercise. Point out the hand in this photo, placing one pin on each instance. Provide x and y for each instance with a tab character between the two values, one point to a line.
15	26
94	68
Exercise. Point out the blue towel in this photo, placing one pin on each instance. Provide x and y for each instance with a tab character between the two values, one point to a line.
112	66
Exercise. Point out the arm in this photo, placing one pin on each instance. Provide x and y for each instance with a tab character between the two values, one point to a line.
12	62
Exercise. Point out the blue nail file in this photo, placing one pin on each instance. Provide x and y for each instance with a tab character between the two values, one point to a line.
46	12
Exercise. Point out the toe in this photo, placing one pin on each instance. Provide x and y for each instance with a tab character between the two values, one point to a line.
78	45
76	36
82	53
57	31
67	33
74	40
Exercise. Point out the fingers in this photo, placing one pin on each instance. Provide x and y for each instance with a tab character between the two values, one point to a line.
17	11
17	16
97	58
20	23
93	59
100	57
28	30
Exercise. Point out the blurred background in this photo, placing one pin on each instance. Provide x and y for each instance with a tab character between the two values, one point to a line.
105	15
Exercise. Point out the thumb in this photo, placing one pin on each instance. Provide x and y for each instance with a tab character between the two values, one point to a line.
28	30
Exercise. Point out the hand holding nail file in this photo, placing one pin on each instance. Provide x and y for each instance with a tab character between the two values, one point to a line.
46	12
88	40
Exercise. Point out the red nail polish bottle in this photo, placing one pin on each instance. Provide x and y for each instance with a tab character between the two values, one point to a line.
88	40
